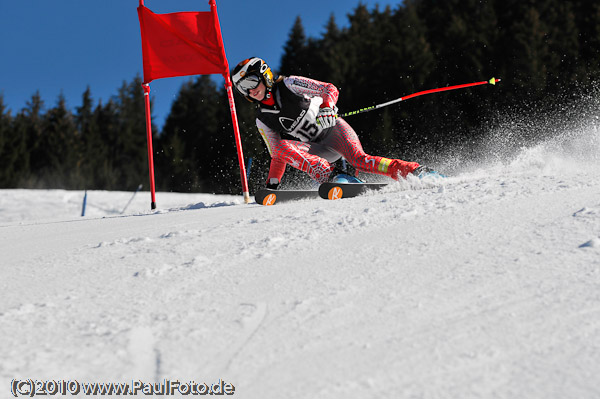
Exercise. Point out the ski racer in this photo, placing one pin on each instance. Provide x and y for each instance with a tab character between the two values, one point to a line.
297	118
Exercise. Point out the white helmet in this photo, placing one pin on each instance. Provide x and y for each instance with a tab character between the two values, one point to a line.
249	73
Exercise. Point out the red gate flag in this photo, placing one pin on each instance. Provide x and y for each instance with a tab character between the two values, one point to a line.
180	44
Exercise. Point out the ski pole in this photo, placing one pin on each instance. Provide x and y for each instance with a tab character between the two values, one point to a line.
84	204
492	81
248	168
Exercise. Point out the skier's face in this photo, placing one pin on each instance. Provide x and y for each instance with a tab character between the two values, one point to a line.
258	93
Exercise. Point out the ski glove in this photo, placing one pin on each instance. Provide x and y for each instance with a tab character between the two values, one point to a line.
327	117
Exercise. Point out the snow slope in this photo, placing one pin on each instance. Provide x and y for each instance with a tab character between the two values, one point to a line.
481	285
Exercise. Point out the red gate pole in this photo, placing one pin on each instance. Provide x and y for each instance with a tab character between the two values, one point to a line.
238	141
228	86
146	87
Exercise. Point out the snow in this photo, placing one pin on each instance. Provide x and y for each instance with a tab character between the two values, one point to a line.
482	285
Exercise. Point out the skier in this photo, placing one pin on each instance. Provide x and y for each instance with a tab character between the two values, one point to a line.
297	118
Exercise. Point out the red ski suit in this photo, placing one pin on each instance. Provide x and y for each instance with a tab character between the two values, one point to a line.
291	111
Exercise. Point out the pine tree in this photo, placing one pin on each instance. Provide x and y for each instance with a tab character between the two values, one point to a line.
587	19
105	172
5	127
295	52
7	146
84	114
93	152
563	45
411	50
131	155
191	137
60	149
362	82
330	64
406	63
28	126
359	48
522	51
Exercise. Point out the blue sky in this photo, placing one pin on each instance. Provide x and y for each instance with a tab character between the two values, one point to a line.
64	46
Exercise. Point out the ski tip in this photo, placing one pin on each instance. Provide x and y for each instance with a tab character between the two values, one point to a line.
493	81
270	199
335	193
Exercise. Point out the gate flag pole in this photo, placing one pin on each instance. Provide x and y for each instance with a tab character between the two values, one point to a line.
183	44
234	120
146	87
148	112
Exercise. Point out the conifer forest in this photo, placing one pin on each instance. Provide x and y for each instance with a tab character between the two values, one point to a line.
547	53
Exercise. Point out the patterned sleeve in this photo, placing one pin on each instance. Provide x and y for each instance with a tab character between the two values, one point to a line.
313	88
271	137
274	143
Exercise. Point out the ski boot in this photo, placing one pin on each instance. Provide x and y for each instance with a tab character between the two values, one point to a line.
425	171
398	168
345	178
341	176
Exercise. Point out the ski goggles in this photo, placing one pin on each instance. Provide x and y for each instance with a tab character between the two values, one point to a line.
248	83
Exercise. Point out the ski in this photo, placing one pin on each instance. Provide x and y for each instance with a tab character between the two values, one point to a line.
331	191
267	197
334	191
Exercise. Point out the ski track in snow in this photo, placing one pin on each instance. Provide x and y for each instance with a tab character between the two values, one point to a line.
486	284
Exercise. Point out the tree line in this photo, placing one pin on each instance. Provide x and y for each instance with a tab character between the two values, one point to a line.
543	51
